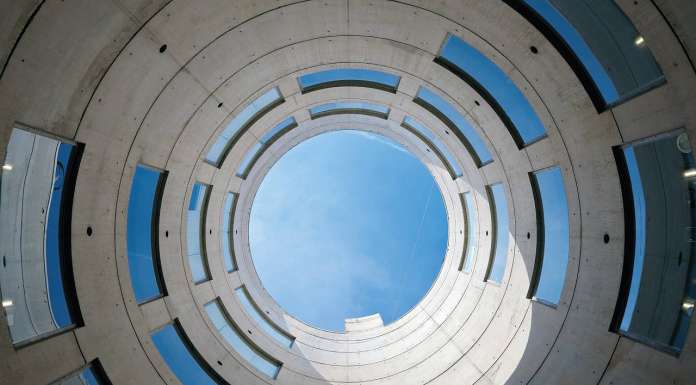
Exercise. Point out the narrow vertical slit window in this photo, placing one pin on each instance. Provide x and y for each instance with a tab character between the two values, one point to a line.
195	232
471	237
182	358
355	77
142	233
92	374
263	143
496	87
600	43
658	286
552	236
240	123
435	143
227	234
239	341
444	111
342	108
501	236
257	315
36	196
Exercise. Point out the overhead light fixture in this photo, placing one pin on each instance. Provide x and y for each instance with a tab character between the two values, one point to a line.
7	167
690	173
688	307
7	303
640	40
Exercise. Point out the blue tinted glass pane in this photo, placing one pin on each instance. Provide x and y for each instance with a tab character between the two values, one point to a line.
434	141
249	159
527	126
141	208
316	79
471	139
87	376
500	249
471	230
194	232
226	233
256	315
240	122
182	361
239	343
554	206
278	130
353	107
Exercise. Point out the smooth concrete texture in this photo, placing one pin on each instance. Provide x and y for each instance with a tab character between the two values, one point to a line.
154	82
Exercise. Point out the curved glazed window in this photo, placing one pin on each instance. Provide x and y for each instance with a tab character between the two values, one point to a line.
182	358
36	194
143	249
496	87
92	374
471	237
500	239
600	43
256	314
356	77
231	333
240	123
457	123
553	236
259	147
433	141
226	233
360	108
658	287
195	232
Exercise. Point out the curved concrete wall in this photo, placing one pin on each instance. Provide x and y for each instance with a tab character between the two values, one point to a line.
154	82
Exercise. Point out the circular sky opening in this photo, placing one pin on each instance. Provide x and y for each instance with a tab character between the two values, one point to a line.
347	224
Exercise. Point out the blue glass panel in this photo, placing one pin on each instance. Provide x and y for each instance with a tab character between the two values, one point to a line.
195	238
278	130
185	363
238	341
551	196
349	108
241	122
142	256
440	148
349	76
261	320
453	119
471	230
500	91
498	202
226	233
92	374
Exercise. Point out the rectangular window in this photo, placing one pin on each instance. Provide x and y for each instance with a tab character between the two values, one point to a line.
600	43
182	358
226	235
255	110
658	287
195	232
495	87
36	195
552	236
92	374
435	143
501	233
360	108
239	342
471	237
457	123
257	315
142	233
264	142
355	77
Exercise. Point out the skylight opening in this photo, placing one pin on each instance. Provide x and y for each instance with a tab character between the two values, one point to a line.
471	237
262	144
195	232
435	143
501	233
343	108
226	233
92	374
355	77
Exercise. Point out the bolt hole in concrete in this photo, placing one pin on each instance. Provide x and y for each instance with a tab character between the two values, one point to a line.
89	231
606	238
363	230
163	48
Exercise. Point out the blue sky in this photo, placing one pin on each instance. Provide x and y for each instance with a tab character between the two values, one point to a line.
364	214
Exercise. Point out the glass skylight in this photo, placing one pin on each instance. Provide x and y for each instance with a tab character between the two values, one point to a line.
433	141
226	232
494	86
456	122
92	374
361	108
471	232
358	77
195	232
500	239
257	315
263	143
241	123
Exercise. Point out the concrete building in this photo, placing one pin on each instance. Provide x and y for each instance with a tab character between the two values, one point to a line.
192	101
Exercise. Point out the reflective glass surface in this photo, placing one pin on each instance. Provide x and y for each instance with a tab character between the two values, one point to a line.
364	108
501	233
92	374
471	231
226	232
195	233
349	77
